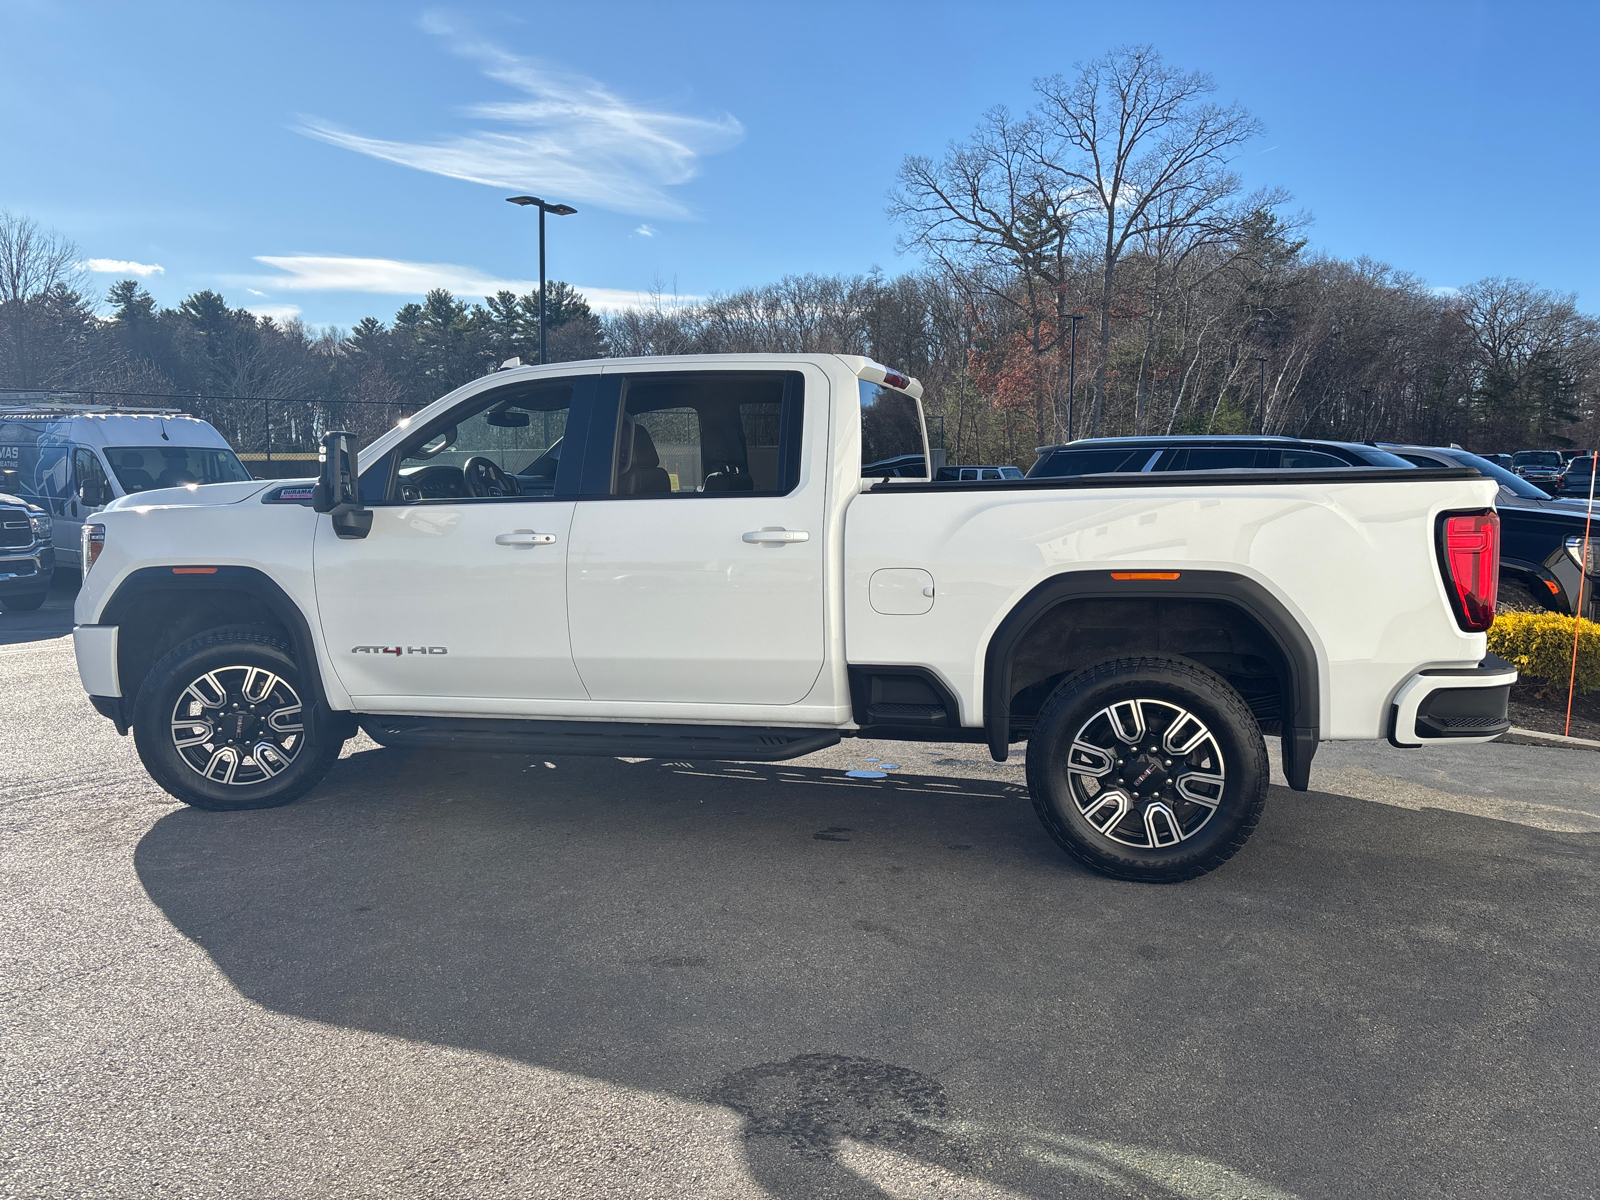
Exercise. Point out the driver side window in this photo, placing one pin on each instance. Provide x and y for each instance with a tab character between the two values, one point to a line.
504	445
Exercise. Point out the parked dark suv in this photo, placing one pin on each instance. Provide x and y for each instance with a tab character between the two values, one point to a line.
1542	536
1094	456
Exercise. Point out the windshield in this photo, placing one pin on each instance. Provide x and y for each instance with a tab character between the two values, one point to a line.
1515	484
140	468
1536	458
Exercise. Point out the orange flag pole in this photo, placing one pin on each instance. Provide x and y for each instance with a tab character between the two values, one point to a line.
1583	573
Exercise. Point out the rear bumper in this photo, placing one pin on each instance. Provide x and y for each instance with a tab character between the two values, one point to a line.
1455	705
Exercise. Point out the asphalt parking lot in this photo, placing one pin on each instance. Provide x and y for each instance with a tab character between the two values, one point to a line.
490	976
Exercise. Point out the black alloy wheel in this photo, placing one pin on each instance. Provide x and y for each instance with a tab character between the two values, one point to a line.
1148	769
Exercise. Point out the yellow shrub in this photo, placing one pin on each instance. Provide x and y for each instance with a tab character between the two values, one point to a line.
1539	644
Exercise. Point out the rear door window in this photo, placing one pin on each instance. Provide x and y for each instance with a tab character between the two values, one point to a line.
708	434
1294	460
1216	458
1091	461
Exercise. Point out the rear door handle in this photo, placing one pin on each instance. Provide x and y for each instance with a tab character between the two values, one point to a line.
776	537
525	537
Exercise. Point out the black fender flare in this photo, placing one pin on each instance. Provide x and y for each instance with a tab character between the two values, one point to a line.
253	582
1539	575
1302	724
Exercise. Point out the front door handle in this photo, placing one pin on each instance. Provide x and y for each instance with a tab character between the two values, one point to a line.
525	537
776	537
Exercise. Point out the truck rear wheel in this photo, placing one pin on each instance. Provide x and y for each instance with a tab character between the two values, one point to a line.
221	723
1148	769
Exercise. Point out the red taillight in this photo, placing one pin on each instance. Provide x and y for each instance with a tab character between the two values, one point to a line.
896	380
1471	547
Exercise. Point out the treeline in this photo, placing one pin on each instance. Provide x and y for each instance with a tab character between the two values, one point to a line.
1351	350
1090	268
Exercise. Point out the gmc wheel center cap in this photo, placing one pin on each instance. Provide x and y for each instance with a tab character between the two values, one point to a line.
1144	772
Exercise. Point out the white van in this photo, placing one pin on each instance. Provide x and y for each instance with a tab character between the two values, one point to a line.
73	459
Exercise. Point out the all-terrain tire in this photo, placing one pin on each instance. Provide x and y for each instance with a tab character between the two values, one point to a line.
217	723
1136	808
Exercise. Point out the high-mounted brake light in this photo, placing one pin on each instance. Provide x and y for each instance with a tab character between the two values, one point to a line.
876	372
1124	575
1469	550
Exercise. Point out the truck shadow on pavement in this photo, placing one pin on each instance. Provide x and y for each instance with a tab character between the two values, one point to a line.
907	980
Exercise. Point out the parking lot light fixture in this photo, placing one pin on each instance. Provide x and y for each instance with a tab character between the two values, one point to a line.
560	210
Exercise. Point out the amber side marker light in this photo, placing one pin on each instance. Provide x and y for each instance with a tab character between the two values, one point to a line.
1555	588
194	570
1124	575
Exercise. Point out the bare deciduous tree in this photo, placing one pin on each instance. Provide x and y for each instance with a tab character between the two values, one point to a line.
38	271
1141	151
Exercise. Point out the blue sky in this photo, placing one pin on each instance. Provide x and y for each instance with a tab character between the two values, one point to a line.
305	157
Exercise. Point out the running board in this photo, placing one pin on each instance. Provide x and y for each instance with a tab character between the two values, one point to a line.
708	743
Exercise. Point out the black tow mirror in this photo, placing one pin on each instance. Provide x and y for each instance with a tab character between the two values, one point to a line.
338	490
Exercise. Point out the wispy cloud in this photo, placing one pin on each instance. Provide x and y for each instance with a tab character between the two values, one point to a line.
568	137
277	312
122	266
645	231
393	277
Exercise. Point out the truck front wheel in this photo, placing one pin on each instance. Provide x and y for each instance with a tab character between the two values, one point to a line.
1148	769
221	723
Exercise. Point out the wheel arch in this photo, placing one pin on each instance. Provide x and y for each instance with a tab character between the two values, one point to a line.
158	608
1251	603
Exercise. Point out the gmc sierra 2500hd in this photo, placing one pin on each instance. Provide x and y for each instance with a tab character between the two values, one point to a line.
680	557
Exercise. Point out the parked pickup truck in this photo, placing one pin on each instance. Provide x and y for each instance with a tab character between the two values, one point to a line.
681	558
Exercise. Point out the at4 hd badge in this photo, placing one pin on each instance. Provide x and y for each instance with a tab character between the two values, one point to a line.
399	650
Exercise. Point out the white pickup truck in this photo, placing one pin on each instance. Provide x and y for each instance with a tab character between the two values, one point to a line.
694	558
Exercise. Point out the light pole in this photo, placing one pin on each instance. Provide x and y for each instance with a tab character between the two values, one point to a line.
560	210
1262	359
1072	369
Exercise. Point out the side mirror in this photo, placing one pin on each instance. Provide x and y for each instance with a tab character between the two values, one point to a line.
10	480
94	493
338	490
